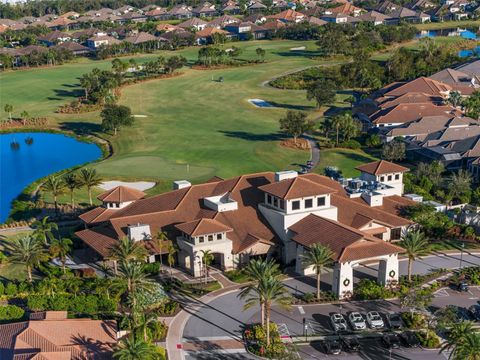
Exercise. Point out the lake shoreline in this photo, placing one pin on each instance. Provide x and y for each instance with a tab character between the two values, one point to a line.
104	146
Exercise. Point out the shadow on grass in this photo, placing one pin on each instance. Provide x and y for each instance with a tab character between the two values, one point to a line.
290	106
353	156
298	53
253	137
80	128
76	92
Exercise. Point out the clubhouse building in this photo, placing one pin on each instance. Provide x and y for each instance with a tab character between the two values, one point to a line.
266	214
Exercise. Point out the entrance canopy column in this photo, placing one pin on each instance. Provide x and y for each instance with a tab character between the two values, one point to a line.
388	270
343	279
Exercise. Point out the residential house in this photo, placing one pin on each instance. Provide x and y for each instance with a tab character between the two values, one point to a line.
74	47
288	16
157	13
54	37
180	12
373	17
336	18
205	10
193	23
51	335
459	81
204	36
256	7
222	21
95	42
231	7
143	38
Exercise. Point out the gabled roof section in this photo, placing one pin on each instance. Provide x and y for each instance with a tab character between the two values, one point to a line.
296	188
421	84
347	243
121	194
381	167
203	227
96	215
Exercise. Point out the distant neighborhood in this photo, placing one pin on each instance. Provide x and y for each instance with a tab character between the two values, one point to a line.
426	113
129	29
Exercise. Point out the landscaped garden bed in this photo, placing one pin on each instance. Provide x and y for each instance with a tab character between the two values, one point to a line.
256	343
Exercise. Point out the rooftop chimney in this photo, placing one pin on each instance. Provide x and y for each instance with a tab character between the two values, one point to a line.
181	184
284	175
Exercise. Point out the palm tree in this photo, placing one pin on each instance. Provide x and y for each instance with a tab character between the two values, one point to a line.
172	250
160	240
149	326
56	187
271	291
207	258
9	109
133	279
454	98
44	230
258	270
456	335
132	348
416	246
60	248
72	183
89	178
459	183
336	123
28	251
318	256
469	348
127	249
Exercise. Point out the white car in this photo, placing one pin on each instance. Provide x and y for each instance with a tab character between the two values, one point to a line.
356	321
338	322
374	320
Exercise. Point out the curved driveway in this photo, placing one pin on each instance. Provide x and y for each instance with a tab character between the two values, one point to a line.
224	316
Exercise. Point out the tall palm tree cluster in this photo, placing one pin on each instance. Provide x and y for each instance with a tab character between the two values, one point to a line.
131	280
463	342
58	185
33	249
266	289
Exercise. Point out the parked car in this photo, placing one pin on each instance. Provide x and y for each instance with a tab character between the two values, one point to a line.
394	321
462	286
350	343
409	339
391	341
332	347
374	320
356	321
474	312
338	322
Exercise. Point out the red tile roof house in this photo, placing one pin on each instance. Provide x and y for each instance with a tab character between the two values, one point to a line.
50	335
261	215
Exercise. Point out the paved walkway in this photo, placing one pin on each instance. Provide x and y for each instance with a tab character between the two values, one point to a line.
314	151
190	305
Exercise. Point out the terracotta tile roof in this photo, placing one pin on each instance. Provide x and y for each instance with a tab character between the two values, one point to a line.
347	243
411	98
192	22
403	113
421	84
209	31
96	215
381	167
202	227
287	15
74	339
296	188
121	194
141	37
72	46
346	8
101	239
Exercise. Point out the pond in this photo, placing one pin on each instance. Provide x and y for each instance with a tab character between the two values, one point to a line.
469	34
26	157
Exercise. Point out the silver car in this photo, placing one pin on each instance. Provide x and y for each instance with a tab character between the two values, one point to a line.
356	321
338	322
374	320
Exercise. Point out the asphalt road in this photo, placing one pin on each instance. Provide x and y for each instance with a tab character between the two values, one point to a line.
224	317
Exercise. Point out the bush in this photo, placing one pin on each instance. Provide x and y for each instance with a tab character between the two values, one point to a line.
11	313
37	303
11	289
428	339
152	268
2	289
413	320
168	308
370	290
351	144
237	276
308	297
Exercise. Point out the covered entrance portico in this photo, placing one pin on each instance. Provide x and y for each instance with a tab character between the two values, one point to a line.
342	282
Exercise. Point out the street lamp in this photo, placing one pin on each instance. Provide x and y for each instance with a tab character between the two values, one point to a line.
461	256
305	329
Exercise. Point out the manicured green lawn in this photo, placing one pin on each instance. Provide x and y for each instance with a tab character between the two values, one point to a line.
448	24
12	271
194	127
344	159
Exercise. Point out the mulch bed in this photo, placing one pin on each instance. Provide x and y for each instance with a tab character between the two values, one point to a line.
301	144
